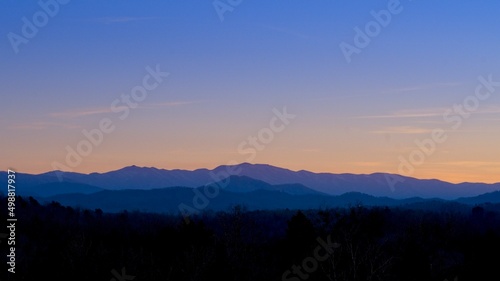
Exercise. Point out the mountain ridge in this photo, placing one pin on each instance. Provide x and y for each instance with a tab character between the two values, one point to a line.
376	184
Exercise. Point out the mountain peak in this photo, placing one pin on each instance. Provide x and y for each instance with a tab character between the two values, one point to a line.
132	168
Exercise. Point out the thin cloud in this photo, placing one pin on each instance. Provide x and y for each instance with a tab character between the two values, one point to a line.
340	97
471	164
168	104
396	115
422	87
368	164
110	20
402	130
80	112
492	109
285	31
106	110
41	125
429	112
490	119
408	113
311	150
394	91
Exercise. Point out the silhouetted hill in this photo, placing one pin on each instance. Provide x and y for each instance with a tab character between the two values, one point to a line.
247	184
167	200
492	197
55	188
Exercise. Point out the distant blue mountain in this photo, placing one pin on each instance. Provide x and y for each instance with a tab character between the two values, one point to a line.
47	185
55	188
168	200
492	197
240	184
288	181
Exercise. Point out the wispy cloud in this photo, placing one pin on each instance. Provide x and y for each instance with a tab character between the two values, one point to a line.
392	91
80	112
105	110
492	109
368	164
427	112
124	19
402	130
168	104
311	150
490	119
422	87
471	164
285	31
408	113
41	125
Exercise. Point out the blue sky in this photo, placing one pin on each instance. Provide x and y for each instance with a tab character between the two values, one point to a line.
227	76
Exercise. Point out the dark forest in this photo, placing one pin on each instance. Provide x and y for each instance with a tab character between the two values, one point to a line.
356	243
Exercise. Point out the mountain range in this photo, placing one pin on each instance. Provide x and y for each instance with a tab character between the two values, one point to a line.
133	177
256	186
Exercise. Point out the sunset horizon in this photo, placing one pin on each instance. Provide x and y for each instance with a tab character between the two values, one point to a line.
194	168
250	140
360	88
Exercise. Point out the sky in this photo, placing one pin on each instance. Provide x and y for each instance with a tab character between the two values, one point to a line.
404	87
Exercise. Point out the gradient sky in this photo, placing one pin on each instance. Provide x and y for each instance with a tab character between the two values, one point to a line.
227	76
